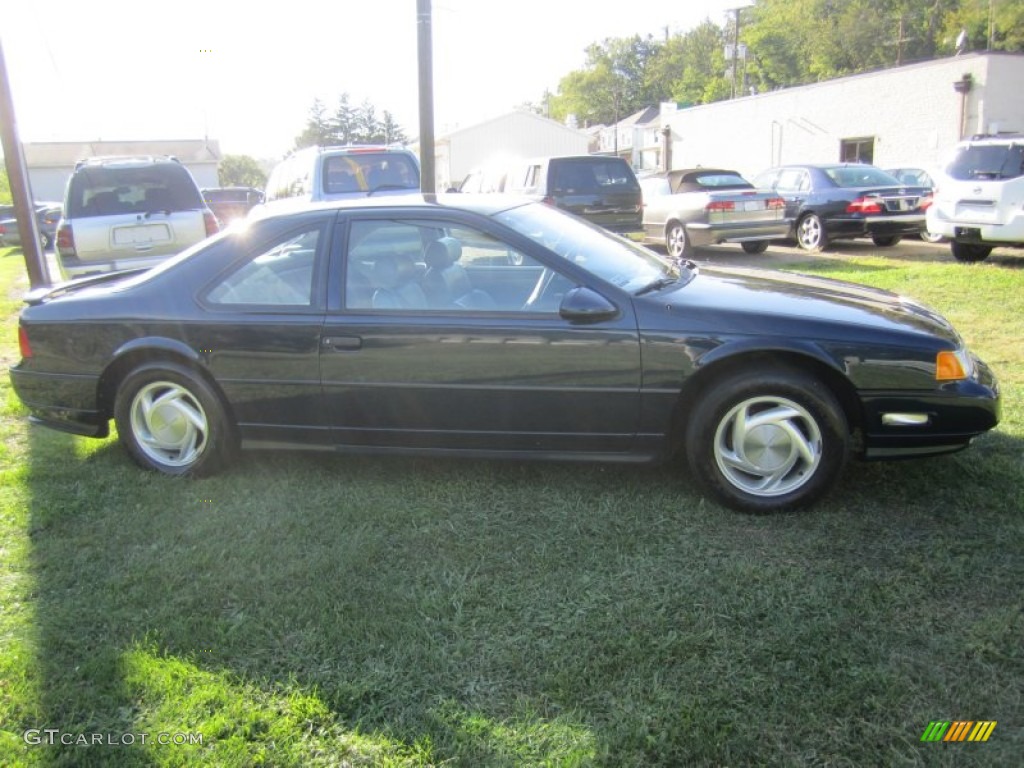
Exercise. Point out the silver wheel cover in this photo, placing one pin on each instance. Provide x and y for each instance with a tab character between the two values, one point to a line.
676	244
810	232
168	424
768	446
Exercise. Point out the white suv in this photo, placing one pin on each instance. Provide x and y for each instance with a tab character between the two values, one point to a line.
129	212
979	199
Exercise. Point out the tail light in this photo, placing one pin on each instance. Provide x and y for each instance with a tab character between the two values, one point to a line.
3	229
720	206
775	204
65	240
926	202
210	221
865	204
23	345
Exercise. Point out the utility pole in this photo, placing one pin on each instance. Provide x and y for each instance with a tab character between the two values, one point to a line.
424	29
21	189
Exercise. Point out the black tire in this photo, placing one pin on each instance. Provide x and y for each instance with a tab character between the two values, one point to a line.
928	237
170	420
755	247
810	233
885	241
969	253
799	435
676	242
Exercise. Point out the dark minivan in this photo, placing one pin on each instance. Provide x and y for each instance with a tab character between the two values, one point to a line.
603	190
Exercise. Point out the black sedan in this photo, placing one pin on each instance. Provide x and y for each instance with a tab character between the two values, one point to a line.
842	201
496	327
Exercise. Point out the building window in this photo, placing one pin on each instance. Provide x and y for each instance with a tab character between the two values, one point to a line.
857	150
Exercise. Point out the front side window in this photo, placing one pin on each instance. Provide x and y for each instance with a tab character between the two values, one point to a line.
416	265
279	276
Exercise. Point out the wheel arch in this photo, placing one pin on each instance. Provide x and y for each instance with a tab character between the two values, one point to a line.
724	362
153	350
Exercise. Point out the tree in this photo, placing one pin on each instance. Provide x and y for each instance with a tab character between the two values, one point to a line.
349	125
5	186
240	171
318	128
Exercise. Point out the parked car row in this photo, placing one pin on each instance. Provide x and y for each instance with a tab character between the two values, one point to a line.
686	209
122	213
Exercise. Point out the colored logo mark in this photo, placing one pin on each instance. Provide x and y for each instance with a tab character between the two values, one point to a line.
958	730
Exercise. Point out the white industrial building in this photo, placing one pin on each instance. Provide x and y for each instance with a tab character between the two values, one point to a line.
510	136
909	116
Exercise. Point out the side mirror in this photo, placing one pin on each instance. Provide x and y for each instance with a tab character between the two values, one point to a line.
585	305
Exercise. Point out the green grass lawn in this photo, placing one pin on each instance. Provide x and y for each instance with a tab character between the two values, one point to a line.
302	610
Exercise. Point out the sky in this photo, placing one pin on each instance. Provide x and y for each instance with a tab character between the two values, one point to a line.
246	74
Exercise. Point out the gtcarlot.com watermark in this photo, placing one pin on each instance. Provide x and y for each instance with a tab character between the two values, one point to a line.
53	736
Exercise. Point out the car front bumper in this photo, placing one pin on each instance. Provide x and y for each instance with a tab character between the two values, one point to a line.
901	424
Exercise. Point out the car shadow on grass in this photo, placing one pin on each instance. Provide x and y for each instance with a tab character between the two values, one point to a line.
315	607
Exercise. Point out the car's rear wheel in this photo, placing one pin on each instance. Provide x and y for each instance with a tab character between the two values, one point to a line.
764	441
676	242
755	247
170	420
810	233
885	241
969	252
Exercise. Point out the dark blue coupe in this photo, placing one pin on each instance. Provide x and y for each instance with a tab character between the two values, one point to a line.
495	327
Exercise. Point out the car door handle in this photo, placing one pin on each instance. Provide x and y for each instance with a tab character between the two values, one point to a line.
342	343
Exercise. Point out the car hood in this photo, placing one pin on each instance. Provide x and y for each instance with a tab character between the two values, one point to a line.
775	303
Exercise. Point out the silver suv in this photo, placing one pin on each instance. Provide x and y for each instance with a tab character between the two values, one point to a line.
979	198
128	212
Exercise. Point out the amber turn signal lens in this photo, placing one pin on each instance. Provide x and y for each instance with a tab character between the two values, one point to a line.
949	367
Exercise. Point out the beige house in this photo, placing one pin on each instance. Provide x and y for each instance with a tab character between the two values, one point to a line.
50	163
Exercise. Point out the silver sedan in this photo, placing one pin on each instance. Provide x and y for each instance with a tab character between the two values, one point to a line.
694	207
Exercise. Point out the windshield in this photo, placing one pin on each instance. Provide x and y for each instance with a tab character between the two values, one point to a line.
368	171
610	257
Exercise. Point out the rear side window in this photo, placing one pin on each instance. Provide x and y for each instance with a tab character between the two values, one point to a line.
106	191
988	162
592	175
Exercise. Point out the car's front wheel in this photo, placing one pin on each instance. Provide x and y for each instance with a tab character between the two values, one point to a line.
969	252
810	233
759	246
764	441
676	242
170	420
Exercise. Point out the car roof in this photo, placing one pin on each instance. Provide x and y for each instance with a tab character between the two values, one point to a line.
484	204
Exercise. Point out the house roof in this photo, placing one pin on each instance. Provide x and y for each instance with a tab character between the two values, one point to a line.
64	154
518	116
